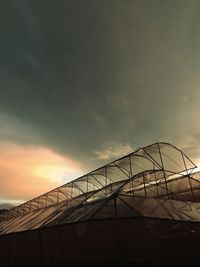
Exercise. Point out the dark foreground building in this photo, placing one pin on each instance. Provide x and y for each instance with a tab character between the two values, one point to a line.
140	210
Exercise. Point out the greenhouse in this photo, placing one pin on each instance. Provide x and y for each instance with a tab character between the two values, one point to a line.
148	191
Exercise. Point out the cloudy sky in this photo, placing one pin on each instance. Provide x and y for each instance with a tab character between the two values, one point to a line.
84	82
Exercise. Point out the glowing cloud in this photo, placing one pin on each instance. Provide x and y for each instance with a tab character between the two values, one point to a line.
26	172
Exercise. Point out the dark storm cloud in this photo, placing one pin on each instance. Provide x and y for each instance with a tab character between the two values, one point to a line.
83	74
57	67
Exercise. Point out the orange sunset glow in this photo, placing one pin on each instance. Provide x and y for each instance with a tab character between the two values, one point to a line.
27	172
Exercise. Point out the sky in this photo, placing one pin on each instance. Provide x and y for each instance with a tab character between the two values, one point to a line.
85	82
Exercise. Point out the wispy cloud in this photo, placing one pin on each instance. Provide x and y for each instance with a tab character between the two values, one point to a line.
113	151
98	118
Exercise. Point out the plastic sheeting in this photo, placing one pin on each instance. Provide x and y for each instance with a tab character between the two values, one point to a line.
155	181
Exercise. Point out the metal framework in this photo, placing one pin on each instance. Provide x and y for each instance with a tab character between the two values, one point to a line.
156	180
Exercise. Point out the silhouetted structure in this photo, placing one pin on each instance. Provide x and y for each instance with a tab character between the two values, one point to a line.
135	210
2	211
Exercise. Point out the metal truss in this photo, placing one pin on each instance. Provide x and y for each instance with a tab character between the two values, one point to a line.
159	170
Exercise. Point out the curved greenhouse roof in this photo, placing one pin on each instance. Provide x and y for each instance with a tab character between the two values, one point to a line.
154	181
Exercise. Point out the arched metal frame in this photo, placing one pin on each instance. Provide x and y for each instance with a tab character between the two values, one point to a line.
149	171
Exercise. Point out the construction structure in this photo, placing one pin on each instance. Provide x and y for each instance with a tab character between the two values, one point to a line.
134	210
